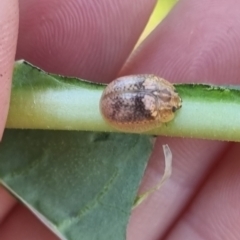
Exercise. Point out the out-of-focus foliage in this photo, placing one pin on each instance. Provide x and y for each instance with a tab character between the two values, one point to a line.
161	10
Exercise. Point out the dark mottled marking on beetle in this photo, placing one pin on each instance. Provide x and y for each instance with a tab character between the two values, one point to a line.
141	113
140	86
126	111
116	106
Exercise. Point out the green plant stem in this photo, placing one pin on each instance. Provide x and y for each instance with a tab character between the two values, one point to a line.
43	101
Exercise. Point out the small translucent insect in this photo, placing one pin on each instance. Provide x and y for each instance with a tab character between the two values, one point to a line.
139	103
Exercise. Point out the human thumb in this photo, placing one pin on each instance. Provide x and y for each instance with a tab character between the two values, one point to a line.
8	41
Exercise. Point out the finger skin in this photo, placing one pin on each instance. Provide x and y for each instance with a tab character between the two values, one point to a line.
7	203
88	39
197	42
193	159
21	224
8	41
215	211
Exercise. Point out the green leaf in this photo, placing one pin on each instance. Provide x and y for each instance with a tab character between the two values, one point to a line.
46	101
82	184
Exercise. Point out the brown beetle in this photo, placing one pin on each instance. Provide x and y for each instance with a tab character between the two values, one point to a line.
139	103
